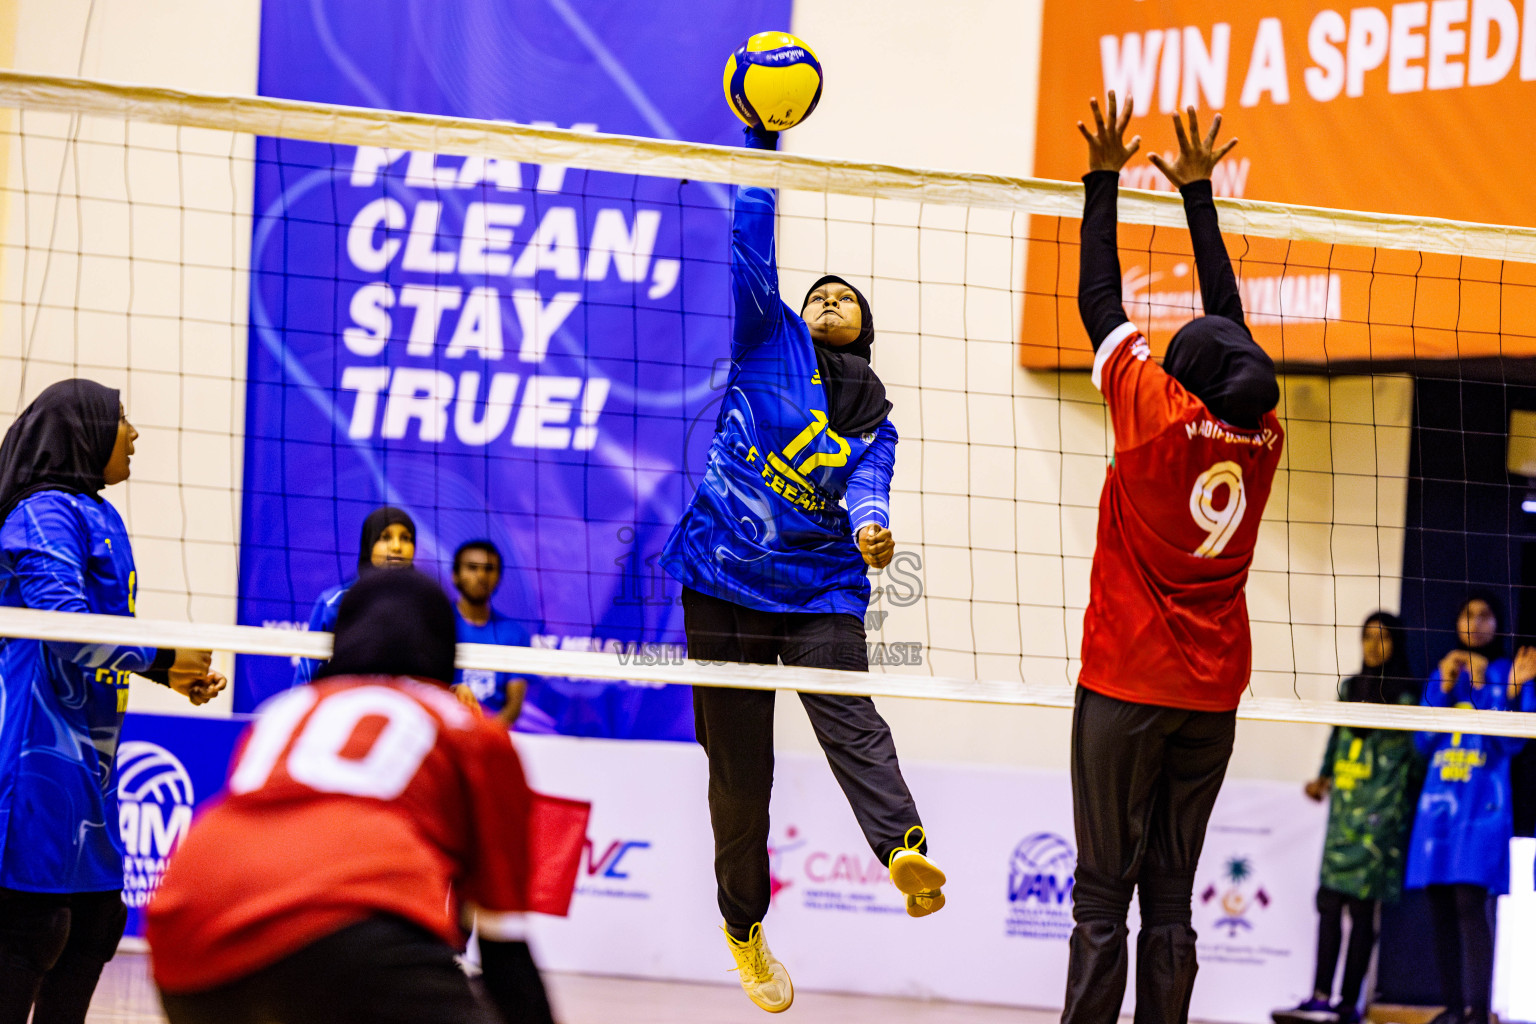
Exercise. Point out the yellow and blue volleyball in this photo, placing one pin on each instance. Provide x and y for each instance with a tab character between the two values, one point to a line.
773	81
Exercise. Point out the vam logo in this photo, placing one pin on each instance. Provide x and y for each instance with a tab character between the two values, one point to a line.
154	810
1040	880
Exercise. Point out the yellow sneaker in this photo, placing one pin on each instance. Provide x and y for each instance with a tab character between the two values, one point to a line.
917	876
762	976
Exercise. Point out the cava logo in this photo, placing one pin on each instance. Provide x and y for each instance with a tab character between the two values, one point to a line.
154	810
1040	887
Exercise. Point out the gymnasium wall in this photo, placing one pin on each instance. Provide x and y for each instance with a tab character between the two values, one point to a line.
1330	552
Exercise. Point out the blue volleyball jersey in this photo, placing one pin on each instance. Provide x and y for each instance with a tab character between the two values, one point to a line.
322	619
489	688
766	528
62	704
1462	831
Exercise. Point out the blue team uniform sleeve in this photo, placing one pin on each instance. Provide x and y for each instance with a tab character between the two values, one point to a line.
754	263
50	547
869	485
321	620
1434	697
1498	675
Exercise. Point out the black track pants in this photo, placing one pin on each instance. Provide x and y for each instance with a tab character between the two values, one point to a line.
1463	948
383	970
52	949
1330	937
1144	781
735	727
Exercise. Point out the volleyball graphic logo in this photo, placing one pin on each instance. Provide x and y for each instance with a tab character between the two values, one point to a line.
773	81
154	799
1040	886
1040	869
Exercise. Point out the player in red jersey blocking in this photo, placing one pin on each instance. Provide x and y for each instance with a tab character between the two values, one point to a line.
1166	645
362	812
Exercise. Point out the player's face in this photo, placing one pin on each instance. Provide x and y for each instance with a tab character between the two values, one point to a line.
1476	624
1376	645
122	450
477	576
395	548
833	315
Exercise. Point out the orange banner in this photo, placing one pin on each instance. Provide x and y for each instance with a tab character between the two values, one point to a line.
1412	108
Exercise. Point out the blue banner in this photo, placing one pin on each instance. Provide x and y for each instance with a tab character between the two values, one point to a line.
527	354
168	766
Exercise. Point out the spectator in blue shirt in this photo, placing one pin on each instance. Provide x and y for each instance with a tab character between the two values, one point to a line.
476	575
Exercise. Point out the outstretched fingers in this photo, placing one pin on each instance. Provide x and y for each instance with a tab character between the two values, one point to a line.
1098	118
1125	119
1178	130
1210	138
1223	151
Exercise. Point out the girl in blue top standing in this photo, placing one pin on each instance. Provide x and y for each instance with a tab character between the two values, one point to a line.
1459	849
774	566
388	542
64	548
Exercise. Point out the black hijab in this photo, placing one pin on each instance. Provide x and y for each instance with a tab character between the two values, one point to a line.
379	520
1218	362
1493	650
394	624
61	442
856	402
1392	681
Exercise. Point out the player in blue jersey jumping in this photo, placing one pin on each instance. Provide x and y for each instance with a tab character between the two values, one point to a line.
773	567
64	548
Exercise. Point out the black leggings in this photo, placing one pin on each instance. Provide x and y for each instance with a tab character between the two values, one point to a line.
383	970
735	727
1463	948
1331	905
1144	783
52	949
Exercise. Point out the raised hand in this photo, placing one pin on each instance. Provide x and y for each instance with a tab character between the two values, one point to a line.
1107	148
1197	157
1450	667
1523	671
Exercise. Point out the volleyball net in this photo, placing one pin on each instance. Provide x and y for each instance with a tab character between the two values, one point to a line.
521	334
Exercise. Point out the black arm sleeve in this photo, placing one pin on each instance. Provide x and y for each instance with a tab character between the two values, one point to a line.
1218	285
1098	269
159	670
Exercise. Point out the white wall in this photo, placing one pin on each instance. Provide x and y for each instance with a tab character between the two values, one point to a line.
999	469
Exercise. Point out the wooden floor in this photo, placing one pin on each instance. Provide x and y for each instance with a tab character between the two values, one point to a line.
126	996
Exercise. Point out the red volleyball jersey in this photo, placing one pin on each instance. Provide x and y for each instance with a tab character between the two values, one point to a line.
1167	619
355	797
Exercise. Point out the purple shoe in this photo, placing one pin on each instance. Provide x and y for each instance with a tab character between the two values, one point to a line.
1313	1011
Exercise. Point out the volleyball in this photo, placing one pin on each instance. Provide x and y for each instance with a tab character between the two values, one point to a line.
773	81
